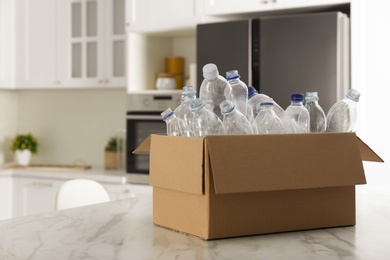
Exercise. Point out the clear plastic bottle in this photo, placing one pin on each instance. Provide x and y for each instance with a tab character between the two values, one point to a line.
175	126
239	91
316	113
342	115
183	111
267	122
204	121
214	89
298	114
234	121
255	99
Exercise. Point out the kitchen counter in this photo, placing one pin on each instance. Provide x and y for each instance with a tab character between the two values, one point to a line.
124	230
95	173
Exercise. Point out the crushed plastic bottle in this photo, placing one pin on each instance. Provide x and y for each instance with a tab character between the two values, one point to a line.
204	121
316	113
183	111
342	115
214	89
175	126
234	121
298	114
267	122
239	91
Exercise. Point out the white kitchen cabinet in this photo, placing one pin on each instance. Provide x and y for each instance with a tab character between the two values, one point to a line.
231	7
30	43
34	195
95	44
5	197
160	16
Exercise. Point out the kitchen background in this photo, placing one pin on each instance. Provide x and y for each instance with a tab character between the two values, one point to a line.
74	122
72	126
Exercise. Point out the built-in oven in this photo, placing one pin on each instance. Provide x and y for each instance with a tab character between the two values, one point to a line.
144	118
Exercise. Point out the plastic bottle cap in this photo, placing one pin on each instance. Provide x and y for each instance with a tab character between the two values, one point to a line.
251	91
232	74
188	91
166	113
296	97
210	71
353	94
312	96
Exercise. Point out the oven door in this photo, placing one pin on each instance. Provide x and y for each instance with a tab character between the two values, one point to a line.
139	127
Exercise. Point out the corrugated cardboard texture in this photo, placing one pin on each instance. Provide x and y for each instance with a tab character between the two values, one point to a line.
249	163
177	163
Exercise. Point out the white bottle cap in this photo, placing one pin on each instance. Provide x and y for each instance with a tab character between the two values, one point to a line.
210	71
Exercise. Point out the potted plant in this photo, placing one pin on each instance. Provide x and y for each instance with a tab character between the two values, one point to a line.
113	153
23	145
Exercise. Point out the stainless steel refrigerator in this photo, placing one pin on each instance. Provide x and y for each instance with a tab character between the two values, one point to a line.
281	55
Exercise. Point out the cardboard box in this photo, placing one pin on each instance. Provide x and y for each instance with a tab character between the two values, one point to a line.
228	186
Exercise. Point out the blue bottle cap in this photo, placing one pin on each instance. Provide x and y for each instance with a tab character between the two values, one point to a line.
296	97
251	92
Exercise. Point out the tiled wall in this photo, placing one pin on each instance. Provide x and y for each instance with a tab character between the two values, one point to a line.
72	126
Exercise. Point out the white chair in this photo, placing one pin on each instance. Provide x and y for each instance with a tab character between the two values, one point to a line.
80	192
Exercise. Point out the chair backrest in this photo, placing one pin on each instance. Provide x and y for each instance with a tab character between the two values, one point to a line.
80	192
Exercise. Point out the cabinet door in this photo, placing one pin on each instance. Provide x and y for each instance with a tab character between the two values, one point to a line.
115	43
157	15
287	4
32	196
96	44
84	36
223	7
37	43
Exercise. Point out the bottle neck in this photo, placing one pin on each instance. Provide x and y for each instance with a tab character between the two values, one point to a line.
312	102
296	103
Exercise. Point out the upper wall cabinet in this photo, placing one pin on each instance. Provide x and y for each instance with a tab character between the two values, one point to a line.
231	7
95	48
29	43
62	43
159	16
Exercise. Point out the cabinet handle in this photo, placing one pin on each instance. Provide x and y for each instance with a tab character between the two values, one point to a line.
42	184
264	2
58	82
107	81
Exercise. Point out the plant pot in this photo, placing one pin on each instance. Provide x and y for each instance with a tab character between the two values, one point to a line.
23	157
112	160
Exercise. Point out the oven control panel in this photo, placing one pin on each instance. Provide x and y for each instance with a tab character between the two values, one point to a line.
153	100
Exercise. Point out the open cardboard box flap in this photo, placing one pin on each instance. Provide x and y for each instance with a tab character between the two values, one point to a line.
250	163
188	154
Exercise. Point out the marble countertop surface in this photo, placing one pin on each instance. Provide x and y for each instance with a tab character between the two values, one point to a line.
124	230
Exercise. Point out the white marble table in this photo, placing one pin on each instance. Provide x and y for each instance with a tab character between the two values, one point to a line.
124	230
